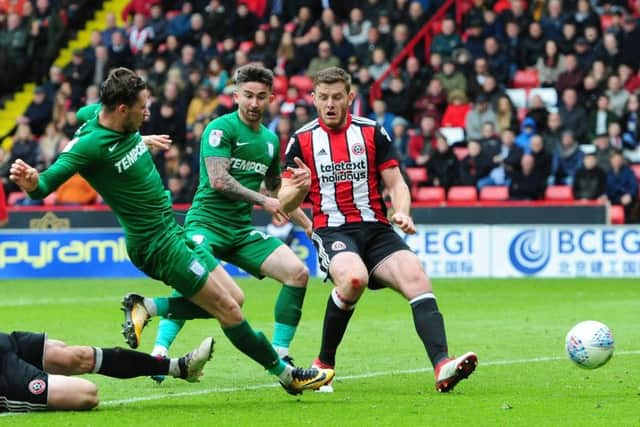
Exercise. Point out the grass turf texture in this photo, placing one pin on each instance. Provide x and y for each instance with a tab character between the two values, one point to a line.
517	328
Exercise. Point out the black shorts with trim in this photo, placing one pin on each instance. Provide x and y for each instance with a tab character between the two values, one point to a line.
372	241
23	382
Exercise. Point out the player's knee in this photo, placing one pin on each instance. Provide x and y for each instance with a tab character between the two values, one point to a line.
89	397
299	275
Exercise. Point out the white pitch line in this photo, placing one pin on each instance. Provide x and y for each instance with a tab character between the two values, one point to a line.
64	300
341	378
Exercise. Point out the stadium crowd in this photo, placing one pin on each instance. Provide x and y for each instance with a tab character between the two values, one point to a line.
522	95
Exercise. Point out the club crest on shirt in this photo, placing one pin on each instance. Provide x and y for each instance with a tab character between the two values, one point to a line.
338	246
357	149
37	387
215	136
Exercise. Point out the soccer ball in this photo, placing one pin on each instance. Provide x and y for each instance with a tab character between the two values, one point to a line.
589	344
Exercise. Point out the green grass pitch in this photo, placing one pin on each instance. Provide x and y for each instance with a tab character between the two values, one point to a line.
517	328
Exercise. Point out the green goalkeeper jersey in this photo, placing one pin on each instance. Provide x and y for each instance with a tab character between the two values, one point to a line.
253	155
120	167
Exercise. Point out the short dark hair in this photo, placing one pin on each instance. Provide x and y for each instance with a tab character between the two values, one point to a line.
254	73
332	75
122	86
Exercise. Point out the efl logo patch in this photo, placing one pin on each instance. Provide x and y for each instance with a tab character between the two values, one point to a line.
338	246
196	268
215	136
357	149
198	238
37	387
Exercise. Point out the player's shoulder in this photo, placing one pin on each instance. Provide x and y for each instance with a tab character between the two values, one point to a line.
308	127
229	122
363	121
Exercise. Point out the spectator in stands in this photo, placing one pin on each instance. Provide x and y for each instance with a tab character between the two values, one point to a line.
400	38
610	52
553	132
110	28
482	112
119	52
382	116
196	30
24	147
432	103
508	159
260	51
187	62
533	45
475	38
598	121
617	94
629	77
603	151
79	74
364	51
47	34
567	40
600	74
139	32
498	62
629	41
572	77
550	64
287	62
14	42
476	164
400	138
138	7
590	181
448	40
216	20
543	159
573	115
301	115
54	82
378	66
538	112
62	104
76	191
216	76
512	45
585	16
506	116
50	144
180	24
476	77
553	21
630	122
397	98
415	78
517	12
443	165
589	94
158	24
584	54
527	130
622	186
566	160
303	21
421	145
451	79
324	59
526	183
356	28
70	124
328	20
341	47
39	112
614	133
457	108
202	106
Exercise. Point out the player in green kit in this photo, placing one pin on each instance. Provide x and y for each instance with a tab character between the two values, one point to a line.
109	152
238	153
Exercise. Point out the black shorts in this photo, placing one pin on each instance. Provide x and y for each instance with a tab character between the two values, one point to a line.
23	382
372	241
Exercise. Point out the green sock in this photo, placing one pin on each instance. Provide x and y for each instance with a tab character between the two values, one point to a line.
255	345
288	311
179	308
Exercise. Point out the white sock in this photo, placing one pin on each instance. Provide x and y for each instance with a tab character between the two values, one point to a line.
97	362
282	351
150	305
160	350
285	376
174	368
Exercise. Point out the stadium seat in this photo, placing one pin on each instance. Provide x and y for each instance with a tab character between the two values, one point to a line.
605	21
417	175
15	197
616	213
428	194
460	152
636	170
548	95
522	113
518	97
494	193
462	193
280	85
453	134
246	46
172	14
304	84
559	193
226	100
526	79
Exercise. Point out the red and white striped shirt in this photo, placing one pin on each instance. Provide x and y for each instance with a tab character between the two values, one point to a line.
345	170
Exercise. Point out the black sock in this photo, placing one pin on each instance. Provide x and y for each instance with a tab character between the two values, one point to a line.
430	327
122	363
335	324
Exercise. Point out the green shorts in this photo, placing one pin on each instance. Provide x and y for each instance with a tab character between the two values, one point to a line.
175	260
246	248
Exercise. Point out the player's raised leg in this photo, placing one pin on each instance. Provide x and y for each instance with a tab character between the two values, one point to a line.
403	272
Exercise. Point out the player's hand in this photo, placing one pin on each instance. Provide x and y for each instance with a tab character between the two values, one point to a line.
25	176
162	142
272	205
405	222
308	231
300	176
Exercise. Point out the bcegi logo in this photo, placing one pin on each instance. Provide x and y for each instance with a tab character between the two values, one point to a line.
530	251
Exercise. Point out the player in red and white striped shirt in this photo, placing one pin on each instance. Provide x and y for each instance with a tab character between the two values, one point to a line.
339	162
